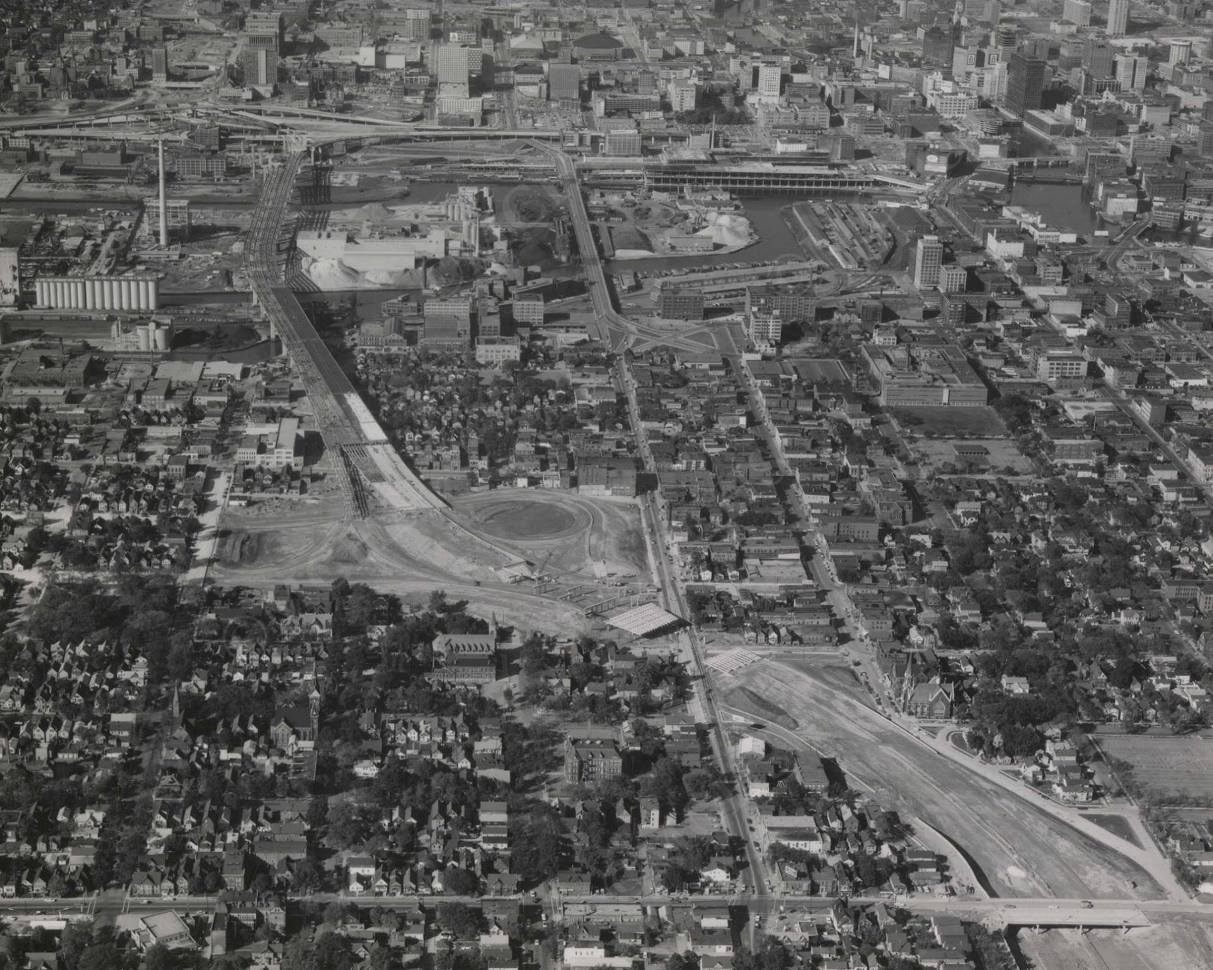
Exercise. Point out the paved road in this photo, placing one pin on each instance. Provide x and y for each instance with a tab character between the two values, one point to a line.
1023	911
613	328
738	809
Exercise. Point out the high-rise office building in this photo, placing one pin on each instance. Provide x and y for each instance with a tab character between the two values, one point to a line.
1131	72
453	65
1077	12
1118	18
564	82
264	30
1025	83
977	11
683	95
953	278
260	67
928	259
770	80
993	86
160	63
1004	39
417	23
1097	57
1179	51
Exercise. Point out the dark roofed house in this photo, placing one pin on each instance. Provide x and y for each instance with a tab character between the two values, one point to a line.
587	760
465	658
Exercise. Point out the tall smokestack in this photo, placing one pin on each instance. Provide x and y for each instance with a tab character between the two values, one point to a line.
163	200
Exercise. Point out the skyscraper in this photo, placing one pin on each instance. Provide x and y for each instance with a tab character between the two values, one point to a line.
564	82
1118	17
1025	83
417	23
264	30
453	67
770	79
160	63
928	258
1078	12
1131	72
1178	51
260	67
1097	57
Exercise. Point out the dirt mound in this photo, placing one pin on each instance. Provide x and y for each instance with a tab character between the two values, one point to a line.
349	549
375	212
245	548
772	712
451	269
530	205
535	246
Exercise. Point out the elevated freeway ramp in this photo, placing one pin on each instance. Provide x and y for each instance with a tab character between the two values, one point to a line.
343	420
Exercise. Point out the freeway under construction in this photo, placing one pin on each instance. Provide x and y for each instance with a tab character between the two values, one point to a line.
369	466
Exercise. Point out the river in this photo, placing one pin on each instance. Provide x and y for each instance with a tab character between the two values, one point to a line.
775	242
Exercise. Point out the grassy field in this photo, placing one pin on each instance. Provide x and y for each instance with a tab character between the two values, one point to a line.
943	422
1117	826
519	520
1173	768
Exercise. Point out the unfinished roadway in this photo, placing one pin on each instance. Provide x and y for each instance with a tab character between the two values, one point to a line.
390	529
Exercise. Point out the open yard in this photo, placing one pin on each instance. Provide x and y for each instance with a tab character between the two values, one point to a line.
1176	769
972	455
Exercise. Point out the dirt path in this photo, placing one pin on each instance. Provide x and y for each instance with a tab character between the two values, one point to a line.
402	557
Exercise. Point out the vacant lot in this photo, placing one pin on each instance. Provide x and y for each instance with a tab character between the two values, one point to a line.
561	532
1173	768
408	557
